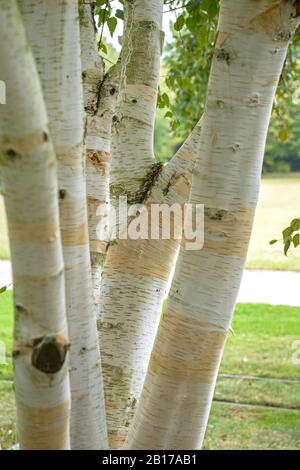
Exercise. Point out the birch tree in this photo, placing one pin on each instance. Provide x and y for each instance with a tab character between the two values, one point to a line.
53	29
100	91
136	273
249	54
102	124
28	174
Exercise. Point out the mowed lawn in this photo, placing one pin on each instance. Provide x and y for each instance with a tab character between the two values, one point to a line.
246	413
278	204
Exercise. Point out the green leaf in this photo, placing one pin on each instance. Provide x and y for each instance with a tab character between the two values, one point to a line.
174	125
296	240
103	47
169	114
3	289
287	232
103	16
192	24
287	245
179	23
120	14
283	135
295	224
165	99
272	242
170	81
112	24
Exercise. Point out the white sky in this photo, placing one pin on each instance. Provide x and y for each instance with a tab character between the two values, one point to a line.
167	18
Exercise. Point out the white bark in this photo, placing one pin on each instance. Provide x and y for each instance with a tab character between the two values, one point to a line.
53	28
132	171
250	51
132	293
100	93
28	173
137	272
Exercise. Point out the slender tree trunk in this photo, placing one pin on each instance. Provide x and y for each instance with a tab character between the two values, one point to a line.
132	169
137	271
100	93
53	29
250	51
28	173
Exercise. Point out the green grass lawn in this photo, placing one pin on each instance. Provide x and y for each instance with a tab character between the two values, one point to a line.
278	204
246	414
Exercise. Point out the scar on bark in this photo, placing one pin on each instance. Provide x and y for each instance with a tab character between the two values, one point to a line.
99	159
48	353
223	54
10	154
215	214
147	183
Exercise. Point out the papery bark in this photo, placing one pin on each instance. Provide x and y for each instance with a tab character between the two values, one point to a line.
249	55
29	185
53	29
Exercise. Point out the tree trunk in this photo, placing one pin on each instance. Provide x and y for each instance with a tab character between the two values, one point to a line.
250	51
53	29
132	169
100	94
137	272
28	173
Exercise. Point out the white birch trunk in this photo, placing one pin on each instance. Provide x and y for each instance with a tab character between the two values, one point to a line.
132	169
100	93
28	174
137	272
250	51
53	28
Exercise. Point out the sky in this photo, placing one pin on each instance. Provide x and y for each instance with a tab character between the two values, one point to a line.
167	18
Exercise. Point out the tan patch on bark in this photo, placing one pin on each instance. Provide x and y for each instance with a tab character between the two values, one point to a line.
29	143
227	232
43	428
141	258
98	246
186	349
41	232
71	156
75	236
146	92
272	19
117	439
99	160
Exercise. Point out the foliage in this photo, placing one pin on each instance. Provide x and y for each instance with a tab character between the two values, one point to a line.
290	235
188	59
106	14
